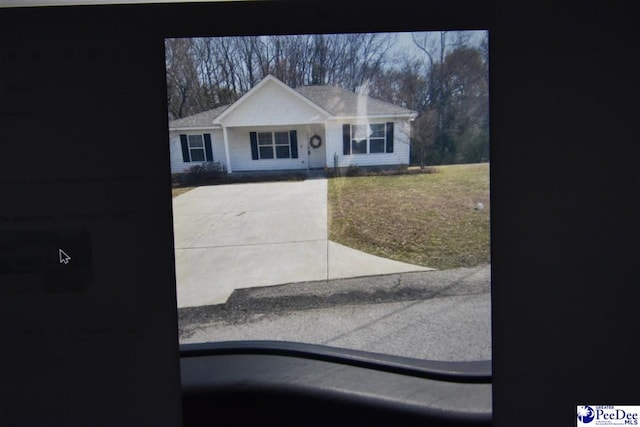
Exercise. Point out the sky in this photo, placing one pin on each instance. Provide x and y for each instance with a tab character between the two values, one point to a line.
404	41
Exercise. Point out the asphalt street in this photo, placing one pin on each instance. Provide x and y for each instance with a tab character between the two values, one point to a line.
436	315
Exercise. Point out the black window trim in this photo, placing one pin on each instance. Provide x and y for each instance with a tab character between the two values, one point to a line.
206	148
350	140
291	144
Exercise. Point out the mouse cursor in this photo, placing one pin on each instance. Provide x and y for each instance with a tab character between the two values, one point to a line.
64	258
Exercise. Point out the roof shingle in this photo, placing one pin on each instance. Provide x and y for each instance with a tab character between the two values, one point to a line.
203	119
343	103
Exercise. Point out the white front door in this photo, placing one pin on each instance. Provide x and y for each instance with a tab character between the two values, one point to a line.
316	149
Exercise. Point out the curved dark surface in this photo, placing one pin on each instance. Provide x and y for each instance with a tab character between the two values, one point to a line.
301	384
471	371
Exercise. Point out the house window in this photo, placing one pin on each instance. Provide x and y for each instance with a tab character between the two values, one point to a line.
196	148
359	139
265	145
377	138
270	143
368	139
281	141
274	145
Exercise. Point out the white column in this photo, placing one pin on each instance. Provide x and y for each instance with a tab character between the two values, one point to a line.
328	154
226	149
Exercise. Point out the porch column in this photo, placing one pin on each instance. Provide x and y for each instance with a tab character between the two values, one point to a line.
226	149
328	153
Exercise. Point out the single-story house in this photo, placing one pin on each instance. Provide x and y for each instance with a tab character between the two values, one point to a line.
276	127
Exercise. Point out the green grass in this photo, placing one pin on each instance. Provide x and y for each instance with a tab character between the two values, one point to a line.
424	219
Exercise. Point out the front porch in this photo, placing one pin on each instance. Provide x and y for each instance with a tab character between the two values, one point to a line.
299	147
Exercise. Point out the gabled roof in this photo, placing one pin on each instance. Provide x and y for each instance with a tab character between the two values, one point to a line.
343	103
261	83
331	100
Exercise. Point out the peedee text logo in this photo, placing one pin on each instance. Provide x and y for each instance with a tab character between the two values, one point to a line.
608	415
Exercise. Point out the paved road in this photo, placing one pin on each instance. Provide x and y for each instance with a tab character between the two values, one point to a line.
236	236
438	315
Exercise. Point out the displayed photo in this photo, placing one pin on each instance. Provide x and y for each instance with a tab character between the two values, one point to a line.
333	189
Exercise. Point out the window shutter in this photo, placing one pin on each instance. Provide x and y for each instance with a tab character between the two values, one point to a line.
254	145
185	149
346	139
207	147
293	139
389	148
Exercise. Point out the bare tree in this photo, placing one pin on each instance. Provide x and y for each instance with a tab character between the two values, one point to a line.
182	78
457	95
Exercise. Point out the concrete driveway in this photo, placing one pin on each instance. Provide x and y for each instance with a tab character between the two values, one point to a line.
236	236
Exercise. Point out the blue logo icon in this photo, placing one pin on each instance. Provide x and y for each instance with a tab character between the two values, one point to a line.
586	414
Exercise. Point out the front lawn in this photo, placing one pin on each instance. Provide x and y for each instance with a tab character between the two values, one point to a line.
176	191
425	219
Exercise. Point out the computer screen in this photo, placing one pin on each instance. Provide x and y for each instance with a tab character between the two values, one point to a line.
100	129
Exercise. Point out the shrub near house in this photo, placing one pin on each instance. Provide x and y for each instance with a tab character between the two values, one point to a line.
203	173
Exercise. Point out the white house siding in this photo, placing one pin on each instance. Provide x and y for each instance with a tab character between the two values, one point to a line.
272	104
400	155
240	150
175	149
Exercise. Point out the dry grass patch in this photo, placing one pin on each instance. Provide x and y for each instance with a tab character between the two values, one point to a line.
176	191
427	219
